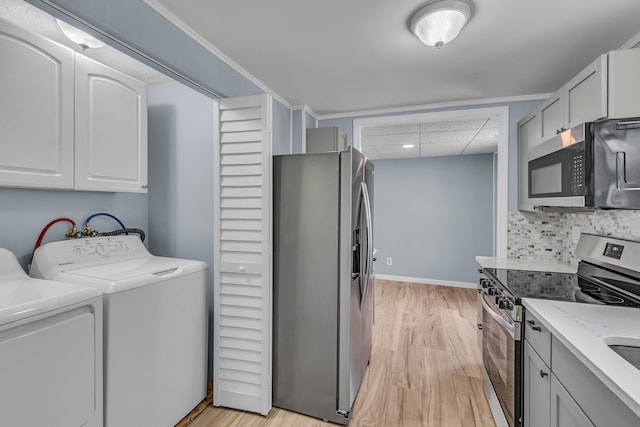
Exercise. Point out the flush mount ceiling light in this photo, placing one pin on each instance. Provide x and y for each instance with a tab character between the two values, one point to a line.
80	37
408	146
439	22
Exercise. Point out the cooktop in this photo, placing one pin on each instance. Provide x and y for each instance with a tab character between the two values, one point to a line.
604	288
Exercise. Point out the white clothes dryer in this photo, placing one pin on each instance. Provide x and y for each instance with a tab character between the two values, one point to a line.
155	320
50	351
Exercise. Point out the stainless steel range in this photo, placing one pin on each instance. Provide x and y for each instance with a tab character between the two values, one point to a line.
608	273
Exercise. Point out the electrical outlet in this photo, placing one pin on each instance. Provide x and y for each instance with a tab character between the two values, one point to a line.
389	261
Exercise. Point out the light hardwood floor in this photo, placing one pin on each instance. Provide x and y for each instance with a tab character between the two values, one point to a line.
425	366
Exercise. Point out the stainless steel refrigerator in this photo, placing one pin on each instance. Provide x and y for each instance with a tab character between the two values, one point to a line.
323	281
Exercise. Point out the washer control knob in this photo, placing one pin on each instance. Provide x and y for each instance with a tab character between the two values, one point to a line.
100	249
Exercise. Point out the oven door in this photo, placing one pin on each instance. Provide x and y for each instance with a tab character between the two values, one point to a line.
502	358
557	170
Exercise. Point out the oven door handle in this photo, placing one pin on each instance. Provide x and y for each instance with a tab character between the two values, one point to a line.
511	328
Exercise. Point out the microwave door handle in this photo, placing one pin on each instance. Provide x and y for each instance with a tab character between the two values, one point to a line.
499	320
621	169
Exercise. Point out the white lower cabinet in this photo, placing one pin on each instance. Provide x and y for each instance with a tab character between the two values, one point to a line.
560	391
565	412
545	400
536	403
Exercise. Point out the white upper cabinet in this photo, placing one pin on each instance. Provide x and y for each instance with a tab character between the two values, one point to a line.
551	117
36	111
528	134
111	129
66	121
624	87
586	94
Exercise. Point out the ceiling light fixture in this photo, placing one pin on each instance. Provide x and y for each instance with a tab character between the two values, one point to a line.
439	22
84	40
408	146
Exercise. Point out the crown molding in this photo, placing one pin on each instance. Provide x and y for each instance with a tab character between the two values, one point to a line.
452	104
632	42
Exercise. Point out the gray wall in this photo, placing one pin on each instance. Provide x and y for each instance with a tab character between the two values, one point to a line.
281	138
296	131
24	213
181	175
309	121
433	216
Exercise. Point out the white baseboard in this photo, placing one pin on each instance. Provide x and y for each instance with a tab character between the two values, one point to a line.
427	281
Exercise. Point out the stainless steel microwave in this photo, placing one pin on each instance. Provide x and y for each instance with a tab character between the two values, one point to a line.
593	165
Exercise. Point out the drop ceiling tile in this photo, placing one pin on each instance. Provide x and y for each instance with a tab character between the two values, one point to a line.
391	129
397	139
487	134
448	137
480	149
452	125
388	149
492	123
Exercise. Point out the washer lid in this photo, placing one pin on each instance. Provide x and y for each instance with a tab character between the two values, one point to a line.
133	273
22	296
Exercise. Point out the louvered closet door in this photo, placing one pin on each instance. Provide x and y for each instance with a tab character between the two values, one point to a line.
242	264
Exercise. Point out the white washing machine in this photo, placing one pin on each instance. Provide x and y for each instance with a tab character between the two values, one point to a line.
155	324
50	351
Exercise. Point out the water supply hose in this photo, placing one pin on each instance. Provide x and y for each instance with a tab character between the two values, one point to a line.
73	233
93	233
104	214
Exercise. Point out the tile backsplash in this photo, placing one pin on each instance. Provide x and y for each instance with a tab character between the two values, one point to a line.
554	236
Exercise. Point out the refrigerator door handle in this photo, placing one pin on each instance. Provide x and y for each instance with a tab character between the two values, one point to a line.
369	260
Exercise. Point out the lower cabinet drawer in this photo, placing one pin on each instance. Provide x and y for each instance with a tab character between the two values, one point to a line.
538	336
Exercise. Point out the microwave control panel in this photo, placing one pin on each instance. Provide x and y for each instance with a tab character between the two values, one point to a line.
577	174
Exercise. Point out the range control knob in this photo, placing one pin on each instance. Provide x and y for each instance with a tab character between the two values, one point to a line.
491	291
484	283
503	304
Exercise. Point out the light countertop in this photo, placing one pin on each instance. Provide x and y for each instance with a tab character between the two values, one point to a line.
585	330
521	264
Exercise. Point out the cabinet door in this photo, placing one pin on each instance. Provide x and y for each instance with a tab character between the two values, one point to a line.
551	115
529	134
586	94
537	386
111	129
36	111
565	412
624	85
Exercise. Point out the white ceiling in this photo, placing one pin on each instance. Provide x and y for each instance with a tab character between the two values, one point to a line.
431	138
340	56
